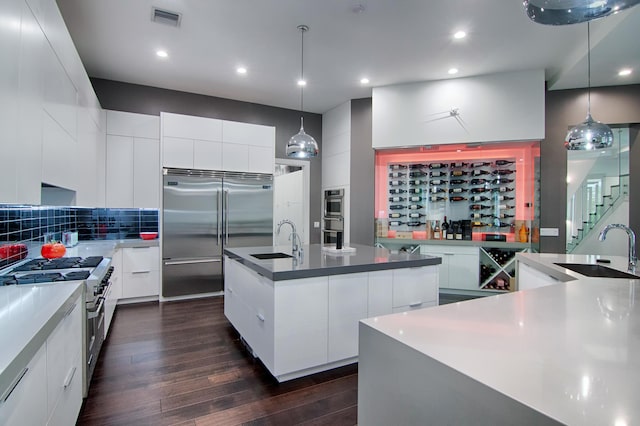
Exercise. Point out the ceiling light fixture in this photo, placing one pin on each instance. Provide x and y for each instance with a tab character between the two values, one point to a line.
162	53
364	80
302	145
241	70
624	72
453	71
563	12
459	34
589	134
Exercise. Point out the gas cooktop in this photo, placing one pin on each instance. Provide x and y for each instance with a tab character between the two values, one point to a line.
43	277
41	264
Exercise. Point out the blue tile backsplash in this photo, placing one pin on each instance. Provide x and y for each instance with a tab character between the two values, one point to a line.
26	224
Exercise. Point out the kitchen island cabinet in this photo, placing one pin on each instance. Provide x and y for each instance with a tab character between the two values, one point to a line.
558	354
300	316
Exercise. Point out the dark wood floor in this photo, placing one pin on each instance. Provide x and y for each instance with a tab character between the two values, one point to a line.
181	363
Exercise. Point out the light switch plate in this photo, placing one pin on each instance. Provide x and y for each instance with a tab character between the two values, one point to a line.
549	232
316	224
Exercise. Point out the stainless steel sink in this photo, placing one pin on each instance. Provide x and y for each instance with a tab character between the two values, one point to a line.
267	256
591	270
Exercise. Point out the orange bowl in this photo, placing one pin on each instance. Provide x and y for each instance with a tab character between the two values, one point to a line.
148	235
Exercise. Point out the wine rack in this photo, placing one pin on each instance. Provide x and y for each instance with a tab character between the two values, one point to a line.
497	268
482	192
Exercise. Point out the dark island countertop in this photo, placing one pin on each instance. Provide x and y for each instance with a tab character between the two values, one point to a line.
317	263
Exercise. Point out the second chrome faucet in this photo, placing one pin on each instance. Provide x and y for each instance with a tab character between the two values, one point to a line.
632	242
296	246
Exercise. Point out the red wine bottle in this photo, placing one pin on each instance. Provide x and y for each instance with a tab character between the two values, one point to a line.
499	181
479	172
479	198
438	174
503	162
445	228
458	165
396	174
436	190
504	198
481	164
435	198
396	207
414	207
479	207
438	182
396	215
503	172
478	181
458	173
479	190
458	181
415	198
457	190
457	198
502	189
415	191
397	191
396	182
438	165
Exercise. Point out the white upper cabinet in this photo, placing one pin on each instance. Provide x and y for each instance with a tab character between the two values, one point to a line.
146	173
209	144
131	124
119	171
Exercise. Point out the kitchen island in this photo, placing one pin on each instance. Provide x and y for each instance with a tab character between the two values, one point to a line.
300	315
567	353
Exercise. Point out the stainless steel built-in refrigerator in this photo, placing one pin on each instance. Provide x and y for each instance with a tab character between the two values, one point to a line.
204	212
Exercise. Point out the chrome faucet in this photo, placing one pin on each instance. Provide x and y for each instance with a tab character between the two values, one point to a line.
632	242
296	248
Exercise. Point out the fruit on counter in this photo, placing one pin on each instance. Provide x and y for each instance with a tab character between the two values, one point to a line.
53	250
14	251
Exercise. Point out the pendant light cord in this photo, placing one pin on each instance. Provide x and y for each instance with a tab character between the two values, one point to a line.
303	28
588	69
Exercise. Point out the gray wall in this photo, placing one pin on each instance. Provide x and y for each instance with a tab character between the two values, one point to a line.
362	173
565	108
135	98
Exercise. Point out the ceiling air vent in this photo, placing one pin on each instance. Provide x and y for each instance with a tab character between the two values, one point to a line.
166	17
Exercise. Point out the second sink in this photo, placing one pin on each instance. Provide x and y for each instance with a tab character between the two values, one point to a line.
591	270
267	256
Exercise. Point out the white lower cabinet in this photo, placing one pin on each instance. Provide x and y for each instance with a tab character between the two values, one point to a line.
26	403
529	277
302	326
140	272
460	265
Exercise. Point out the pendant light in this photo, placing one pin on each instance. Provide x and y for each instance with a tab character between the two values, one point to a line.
302	145
563	12
589	134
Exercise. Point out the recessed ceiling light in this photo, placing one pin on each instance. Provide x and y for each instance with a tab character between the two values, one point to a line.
459	34
302	82
453	70
162	53
241	70
364	80
624	72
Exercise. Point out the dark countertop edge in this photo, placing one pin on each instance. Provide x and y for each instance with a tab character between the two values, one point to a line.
332	270
466	243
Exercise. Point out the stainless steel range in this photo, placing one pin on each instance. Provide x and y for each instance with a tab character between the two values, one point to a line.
95	271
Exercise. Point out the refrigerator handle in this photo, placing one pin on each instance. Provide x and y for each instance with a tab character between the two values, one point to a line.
218	212
226	217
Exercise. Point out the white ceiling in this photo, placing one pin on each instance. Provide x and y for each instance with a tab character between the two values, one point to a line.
389	41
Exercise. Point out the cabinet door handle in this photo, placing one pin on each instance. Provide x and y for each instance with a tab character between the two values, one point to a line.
415	304
260	317
230	290
448	254
67	380
140	272
13	385
66	314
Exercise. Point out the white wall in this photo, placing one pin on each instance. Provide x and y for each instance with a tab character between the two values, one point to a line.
336	156
497	107
288	203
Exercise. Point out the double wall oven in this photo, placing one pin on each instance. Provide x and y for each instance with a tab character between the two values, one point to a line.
96	272
333	219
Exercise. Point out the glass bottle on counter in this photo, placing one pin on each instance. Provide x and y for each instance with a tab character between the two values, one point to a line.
436	231
445	228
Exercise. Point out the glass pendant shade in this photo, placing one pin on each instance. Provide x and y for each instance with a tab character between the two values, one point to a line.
588	135
302	145
565	12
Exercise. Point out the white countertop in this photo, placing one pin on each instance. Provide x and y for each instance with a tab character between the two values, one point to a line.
570	351
25	314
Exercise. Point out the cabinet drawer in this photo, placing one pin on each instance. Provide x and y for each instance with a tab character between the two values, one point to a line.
141	284
448	250
140	259
66	411
414	286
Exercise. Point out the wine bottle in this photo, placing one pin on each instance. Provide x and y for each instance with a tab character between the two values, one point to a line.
457	190
479	198
499	181
395	223
416	215
457	198
502	189
397	191
445	228
435	198
479	224
396	166
502	224
417	182
479	207
414	223
504	216
416	166
436	190
458	231
458	165
436	231
503	162
416	174
438	165
505	207
503	172
415	190
458	173
437	174
481	164
396	207
396	182
479	190
478	181
414	207
479	172
480	215
458	181
438	182
396	215
504	198
415	198
396	174
396	199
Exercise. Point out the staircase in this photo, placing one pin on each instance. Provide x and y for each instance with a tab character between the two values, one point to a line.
593	206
